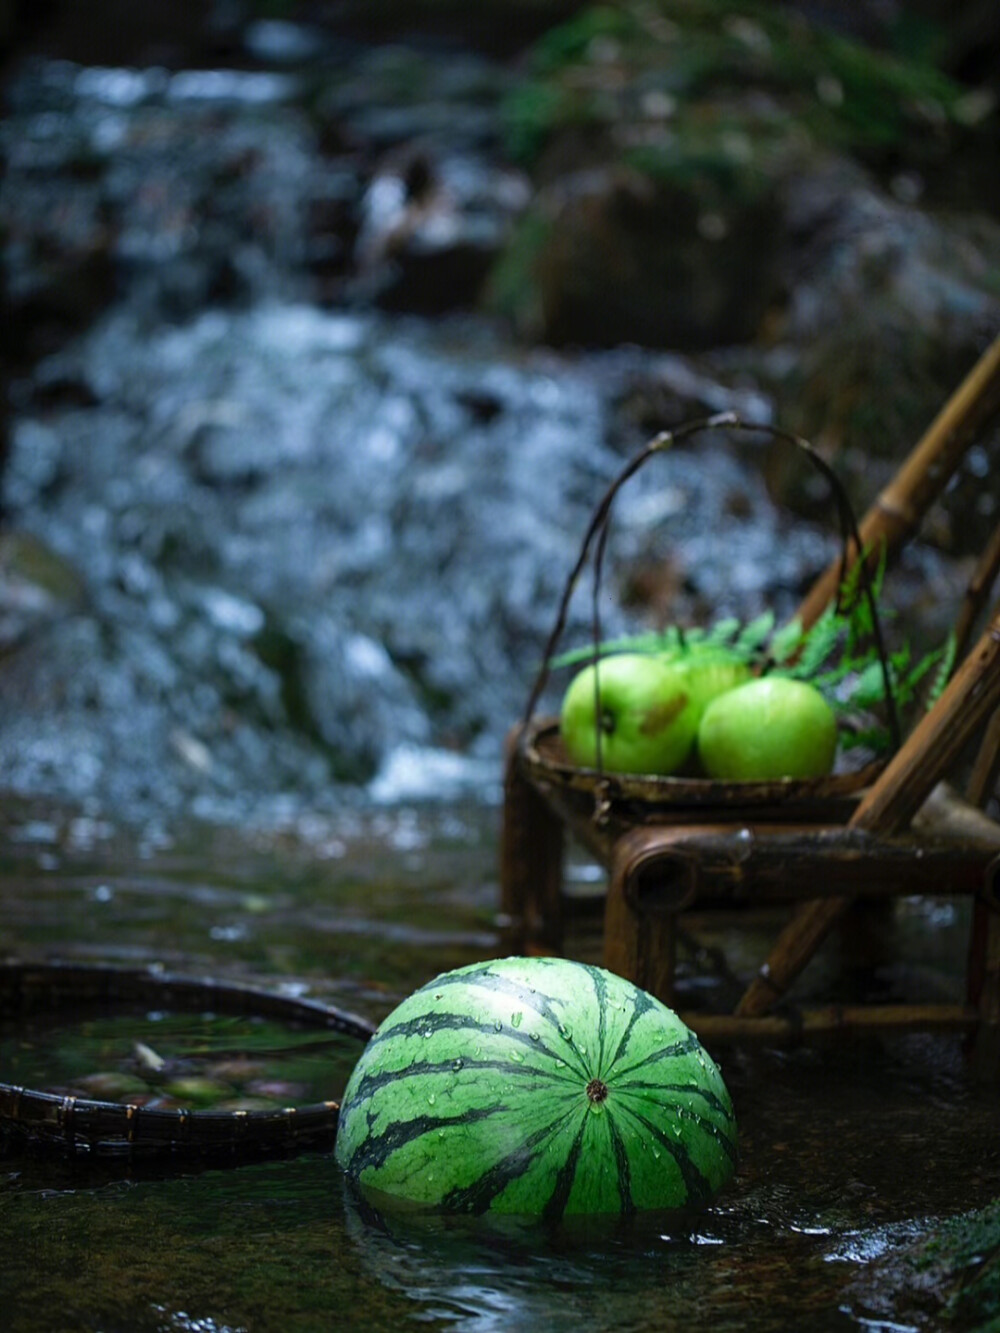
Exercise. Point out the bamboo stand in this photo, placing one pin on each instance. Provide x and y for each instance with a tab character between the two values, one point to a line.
903	835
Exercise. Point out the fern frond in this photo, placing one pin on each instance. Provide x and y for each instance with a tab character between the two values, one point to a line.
819	644
754	635
723	632
946	665
786	641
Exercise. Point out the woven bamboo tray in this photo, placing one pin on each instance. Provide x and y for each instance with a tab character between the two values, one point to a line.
84	1125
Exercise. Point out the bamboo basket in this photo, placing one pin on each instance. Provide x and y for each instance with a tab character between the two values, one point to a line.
629	799
82	1125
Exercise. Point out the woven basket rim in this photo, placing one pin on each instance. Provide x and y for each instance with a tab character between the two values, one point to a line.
542	752
91	1125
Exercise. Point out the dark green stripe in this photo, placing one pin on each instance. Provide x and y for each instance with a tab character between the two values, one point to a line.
690	1089
622	1168
686	1046
706	1126
477	1197
376	1148
728	1145
369	1084
698	1188
416	1027
513	990
641	1004
559	1197
600	985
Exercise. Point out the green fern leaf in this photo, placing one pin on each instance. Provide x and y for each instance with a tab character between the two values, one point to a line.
754	635
723	632
786	641
946	665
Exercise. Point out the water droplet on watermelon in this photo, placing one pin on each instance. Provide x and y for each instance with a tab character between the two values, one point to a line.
534	1036
565	1032
498	1025
656	1153
515	1019
457	1063
431	1099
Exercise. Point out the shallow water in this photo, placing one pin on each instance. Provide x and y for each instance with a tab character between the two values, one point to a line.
846	1150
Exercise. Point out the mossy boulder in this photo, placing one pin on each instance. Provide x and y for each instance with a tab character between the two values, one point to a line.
949	1279
665	140
615	255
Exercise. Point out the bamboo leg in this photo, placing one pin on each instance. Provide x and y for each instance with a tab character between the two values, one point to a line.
986	768
982	783
640	948
977	592
898	510
531	864
891	802
986	1048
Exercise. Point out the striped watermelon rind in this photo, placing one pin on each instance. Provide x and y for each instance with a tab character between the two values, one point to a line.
536	1086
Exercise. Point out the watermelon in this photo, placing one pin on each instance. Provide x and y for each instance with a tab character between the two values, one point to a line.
536	1086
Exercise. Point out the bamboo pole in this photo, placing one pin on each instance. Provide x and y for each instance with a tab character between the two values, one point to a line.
900	507
983	966
668	871
986	768
986	1052
888	806
977	592
644	949
831	1019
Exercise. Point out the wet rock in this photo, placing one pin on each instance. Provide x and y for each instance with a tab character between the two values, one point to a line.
500	27
165	32
625	258
396	94
947	1277
281	42
36	587
359	704
164	189
663	144
431	228
888	310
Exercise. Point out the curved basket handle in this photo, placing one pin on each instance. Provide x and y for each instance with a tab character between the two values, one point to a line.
597	530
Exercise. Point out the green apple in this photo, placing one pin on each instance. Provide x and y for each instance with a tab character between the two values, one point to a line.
768	728
709	672
646	717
